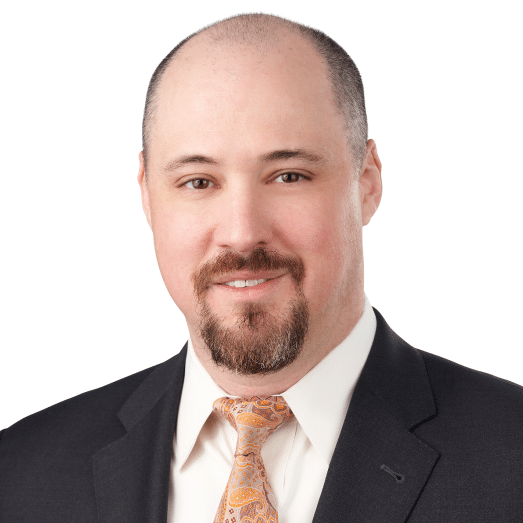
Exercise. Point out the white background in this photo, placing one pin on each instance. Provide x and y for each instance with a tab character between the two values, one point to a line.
82	301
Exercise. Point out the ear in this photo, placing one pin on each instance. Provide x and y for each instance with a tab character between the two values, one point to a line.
142	181
370	186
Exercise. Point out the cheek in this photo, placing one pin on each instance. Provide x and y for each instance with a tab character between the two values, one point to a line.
179	245
328	239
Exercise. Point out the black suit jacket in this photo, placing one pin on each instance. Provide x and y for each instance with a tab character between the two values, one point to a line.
425	440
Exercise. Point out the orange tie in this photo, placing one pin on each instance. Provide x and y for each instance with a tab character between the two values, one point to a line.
248	497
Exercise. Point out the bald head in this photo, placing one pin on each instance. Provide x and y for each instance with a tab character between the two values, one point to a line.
262	34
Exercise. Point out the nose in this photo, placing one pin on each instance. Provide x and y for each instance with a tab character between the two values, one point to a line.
244	221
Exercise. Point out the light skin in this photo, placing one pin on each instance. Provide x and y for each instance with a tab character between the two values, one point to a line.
247	150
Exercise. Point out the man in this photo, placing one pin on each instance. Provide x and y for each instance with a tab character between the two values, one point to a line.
257	177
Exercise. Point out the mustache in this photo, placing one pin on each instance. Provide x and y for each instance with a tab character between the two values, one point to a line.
260	259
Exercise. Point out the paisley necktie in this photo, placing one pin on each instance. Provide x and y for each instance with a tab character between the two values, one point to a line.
248	496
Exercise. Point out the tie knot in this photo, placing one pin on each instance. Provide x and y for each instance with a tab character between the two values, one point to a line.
253	419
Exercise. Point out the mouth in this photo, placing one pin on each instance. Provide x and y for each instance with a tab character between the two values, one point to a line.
242	279
249	284
244	283
260	274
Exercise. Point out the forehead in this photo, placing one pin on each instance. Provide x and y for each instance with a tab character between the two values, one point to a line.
277	89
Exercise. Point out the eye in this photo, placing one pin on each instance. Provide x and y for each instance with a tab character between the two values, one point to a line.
290	177
198	183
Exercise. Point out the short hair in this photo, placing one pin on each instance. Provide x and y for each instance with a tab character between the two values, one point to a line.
252	28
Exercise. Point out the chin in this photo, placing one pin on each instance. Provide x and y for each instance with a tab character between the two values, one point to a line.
261	341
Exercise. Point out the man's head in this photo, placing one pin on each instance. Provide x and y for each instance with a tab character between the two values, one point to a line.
257	186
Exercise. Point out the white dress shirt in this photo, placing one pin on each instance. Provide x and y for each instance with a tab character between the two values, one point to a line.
296	456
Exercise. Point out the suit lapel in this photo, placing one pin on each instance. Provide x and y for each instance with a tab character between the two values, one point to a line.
131	474
379	466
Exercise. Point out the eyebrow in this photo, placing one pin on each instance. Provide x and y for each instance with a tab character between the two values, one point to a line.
175	164
283	154
286	154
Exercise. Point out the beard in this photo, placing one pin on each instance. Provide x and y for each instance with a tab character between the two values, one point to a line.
261	341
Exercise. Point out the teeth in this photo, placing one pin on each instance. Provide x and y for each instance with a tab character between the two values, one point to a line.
244	283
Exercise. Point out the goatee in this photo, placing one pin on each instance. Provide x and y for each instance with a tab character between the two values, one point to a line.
261	341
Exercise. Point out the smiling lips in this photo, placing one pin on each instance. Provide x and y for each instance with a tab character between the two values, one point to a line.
244	283
247	279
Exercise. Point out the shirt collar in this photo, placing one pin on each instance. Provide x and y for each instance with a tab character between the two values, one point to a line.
199	393
319	405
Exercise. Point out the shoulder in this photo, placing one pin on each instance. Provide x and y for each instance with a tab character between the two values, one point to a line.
451	380
46	458
473	405
100	403
457	391
84	422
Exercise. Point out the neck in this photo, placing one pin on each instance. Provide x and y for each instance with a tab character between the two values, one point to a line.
319	344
